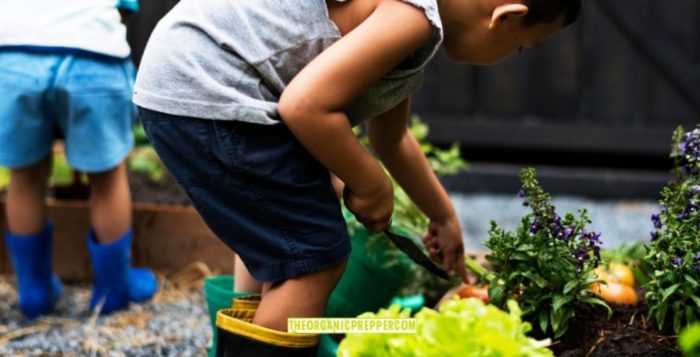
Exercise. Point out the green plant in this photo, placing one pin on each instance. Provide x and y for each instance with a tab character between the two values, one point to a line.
673	259
547	264
462	327
144	159
407	215
689	340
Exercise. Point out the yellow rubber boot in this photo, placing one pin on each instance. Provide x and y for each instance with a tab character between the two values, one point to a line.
239	337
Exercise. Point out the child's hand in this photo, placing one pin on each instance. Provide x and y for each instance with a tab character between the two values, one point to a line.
372	208
445	246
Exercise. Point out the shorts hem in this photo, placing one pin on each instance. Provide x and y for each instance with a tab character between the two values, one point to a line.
101	166
302	266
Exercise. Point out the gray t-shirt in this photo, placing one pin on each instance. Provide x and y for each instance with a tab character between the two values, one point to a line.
232	59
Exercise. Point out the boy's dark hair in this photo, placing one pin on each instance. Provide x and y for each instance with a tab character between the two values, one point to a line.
546	11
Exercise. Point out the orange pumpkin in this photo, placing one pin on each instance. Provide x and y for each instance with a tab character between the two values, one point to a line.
615	293
473	291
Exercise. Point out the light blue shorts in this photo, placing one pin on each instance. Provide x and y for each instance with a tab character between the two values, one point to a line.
84	100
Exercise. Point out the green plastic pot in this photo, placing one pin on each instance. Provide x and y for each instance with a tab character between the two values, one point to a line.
219	294
368	283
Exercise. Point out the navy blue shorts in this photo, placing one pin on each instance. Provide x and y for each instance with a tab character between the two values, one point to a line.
258	189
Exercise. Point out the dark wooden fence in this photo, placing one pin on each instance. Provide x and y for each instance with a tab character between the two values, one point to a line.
617	83
604	93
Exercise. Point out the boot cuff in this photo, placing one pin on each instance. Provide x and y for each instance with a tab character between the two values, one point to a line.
229	320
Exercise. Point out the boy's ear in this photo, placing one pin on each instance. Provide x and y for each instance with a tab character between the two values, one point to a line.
501	13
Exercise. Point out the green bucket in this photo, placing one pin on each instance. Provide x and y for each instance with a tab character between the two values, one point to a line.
368	282
219	293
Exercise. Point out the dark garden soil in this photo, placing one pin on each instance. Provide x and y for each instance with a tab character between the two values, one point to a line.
143	190
626	333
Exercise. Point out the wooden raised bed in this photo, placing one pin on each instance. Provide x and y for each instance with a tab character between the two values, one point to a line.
166	238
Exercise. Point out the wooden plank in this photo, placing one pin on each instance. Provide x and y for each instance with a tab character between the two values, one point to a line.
532	133
173	236
166	238
656	46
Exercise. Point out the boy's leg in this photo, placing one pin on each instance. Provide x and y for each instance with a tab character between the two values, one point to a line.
110	204
305	296
26	195
244	282
29	238
115	281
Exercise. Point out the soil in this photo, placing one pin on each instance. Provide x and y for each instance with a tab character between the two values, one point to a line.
143	190
626	333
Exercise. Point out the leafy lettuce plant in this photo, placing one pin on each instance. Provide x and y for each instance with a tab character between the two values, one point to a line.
689	340
462	327
673	259
547	263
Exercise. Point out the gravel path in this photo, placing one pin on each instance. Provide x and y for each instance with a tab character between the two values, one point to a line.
174	323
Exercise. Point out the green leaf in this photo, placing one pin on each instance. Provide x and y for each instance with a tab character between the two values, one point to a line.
560	300
570	286
536	278
668	291
677	317
696	299
544	321
595	301
690	280
496	292
661	315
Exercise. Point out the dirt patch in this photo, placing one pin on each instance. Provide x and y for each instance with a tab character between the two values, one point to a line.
626	333
143	190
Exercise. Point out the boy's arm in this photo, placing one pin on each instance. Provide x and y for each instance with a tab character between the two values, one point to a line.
401	154
313	102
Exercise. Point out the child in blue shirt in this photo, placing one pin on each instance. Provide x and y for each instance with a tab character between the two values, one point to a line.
66	73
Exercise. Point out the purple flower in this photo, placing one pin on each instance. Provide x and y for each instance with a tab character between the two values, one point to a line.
568	231
682	216
654	235
697	256
664	208
521	193
535	227
656	219
677	261
695	189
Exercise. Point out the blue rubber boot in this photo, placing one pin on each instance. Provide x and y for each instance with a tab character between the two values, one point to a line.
115	281
38	287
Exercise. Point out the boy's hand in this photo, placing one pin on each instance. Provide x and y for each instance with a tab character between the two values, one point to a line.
372	208
445	246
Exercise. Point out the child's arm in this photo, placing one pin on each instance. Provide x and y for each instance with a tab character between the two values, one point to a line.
313	102
401	154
